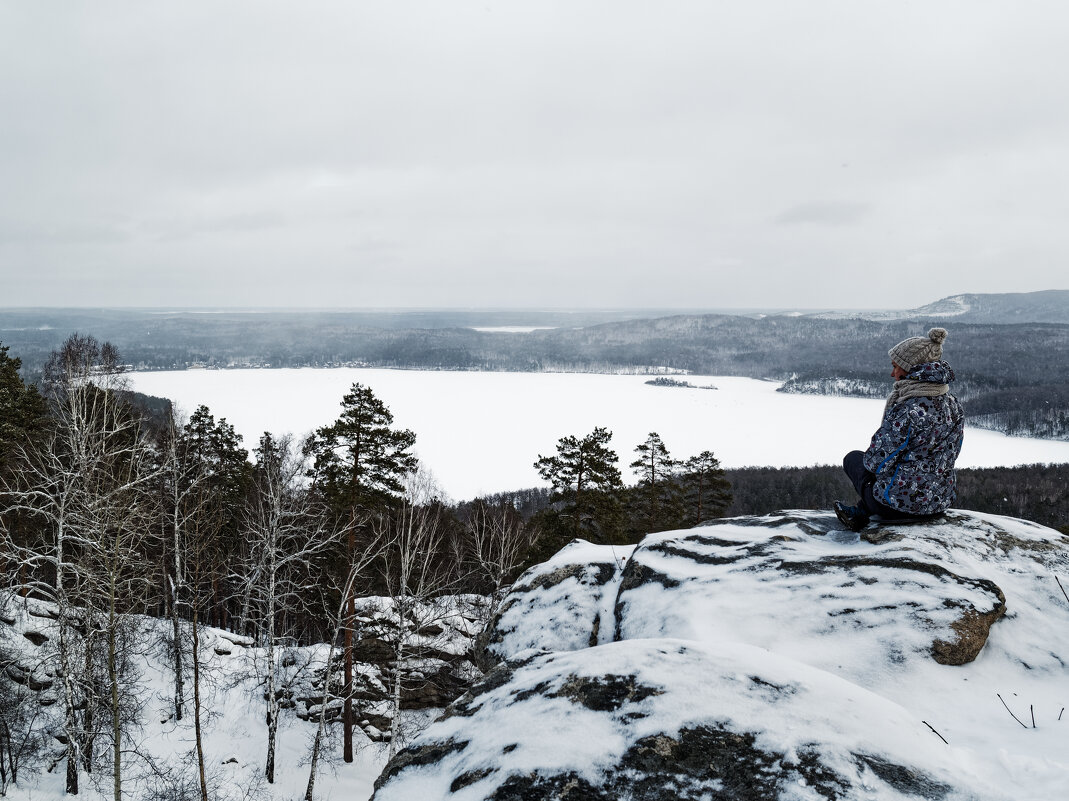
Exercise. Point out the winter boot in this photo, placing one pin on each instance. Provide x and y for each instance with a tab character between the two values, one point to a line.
853	517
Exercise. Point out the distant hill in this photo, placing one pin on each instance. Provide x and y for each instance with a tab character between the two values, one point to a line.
1048	306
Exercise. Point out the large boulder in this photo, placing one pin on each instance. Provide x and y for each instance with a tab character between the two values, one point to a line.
773	657
874	608
661	720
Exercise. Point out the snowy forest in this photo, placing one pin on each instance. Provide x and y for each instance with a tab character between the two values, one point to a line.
112	512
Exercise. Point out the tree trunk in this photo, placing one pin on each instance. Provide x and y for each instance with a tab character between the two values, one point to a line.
399	654
69	716
179	689
113	679
347	691
89	690
350	620
176	583
272	694
317	744
70	722
196	707
7	758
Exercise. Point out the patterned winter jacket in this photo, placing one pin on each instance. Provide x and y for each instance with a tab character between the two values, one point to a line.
912	454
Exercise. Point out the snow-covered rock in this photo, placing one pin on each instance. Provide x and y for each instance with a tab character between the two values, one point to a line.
572	594
773	657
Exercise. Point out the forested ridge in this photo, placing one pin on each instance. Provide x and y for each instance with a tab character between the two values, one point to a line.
1011	376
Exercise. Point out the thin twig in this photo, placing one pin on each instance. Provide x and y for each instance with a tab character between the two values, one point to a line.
1060	713
1010	711
937	734
1060	587
1032	709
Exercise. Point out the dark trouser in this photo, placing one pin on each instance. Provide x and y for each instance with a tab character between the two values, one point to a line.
862	479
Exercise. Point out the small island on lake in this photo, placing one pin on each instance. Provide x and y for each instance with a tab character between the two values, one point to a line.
673	382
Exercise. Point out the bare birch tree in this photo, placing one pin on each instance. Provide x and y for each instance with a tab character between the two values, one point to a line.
85	486
418	569
496	543
286	530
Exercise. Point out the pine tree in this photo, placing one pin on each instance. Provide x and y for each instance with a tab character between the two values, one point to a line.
22	409
214	454
584	475
23	419
708	491
205	473
659	504
359	465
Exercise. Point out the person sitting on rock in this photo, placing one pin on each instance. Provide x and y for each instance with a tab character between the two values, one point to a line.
908	469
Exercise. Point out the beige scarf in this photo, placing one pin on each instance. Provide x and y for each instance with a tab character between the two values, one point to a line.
910	388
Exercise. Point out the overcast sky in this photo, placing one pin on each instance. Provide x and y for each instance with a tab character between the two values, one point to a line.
532	153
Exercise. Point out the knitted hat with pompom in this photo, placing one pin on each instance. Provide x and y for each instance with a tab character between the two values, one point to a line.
908	353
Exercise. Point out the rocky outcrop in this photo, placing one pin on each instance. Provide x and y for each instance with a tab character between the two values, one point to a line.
436	664
572	594
774	657
660	720
907	597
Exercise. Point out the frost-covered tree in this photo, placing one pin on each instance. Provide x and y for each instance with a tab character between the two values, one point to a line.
494	545
24	741
86	485
285	533
419	576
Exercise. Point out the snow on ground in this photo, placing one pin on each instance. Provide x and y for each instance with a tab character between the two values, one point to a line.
480	432
235	739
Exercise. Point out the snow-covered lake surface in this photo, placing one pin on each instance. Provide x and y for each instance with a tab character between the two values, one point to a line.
482	432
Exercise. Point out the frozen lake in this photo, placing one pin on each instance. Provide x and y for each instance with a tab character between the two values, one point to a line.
481	432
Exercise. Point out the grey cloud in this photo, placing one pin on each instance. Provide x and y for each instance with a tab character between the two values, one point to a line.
58	232
824	213
543	152
184	228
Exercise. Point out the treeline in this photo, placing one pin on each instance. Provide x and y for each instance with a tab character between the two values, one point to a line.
590	501
1039	493
109	510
